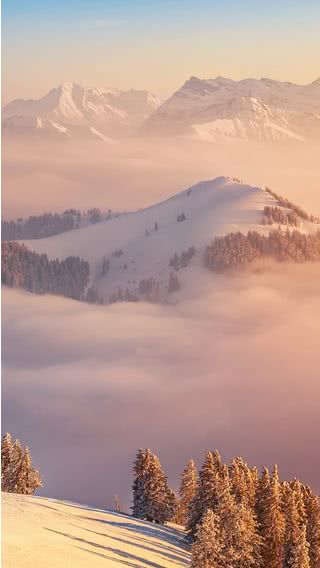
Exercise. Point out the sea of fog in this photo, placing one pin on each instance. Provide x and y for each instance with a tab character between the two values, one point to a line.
234	368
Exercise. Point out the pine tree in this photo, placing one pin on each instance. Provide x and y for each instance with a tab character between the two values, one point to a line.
292	523
158	500
7	452
299	555
313	528
138	484
241	539
273	524
243	482
262	492
207	547
187	491
206	495
152	498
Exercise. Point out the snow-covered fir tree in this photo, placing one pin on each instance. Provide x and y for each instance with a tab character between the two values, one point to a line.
187	491
273	524
207	548
7	454
292	523
313	527
299	555
206	494
152	498
139	470
17	473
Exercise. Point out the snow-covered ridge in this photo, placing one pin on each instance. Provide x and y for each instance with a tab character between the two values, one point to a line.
109	110
45	129
218	109
40	532
140	245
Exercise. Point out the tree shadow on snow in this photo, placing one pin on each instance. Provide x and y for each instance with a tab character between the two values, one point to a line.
125	557
162	550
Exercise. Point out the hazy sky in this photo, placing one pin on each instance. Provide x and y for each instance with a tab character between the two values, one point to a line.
155	44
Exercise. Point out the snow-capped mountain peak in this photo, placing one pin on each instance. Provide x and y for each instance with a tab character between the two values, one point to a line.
109	110
263	109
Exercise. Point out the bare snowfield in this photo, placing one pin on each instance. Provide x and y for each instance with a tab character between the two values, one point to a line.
38	533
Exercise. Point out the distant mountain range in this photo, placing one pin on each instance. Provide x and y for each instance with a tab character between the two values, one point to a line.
214	110
222	109
43	128
110	111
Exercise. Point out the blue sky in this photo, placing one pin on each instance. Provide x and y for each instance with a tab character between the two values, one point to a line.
155	44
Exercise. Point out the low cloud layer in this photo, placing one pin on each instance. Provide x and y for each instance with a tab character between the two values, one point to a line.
135	173
236	369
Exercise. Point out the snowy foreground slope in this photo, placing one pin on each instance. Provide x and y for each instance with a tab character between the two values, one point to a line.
149	238
39	532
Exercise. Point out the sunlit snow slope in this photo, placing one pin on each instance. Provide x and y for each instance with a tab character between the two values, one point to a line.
38	533
211	208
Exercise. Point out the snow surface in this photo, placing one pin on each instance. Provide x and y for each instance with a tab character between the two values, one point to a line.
256	109
45	533
212	208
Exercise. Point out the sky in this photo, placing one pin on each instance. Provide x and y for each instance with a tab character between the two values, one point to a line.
155	44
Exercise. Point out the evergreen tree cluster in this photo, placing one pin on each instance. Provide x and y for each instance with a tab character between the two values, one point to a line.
182	260
22	268
149	289
152	498
174	283
49	224
234	517
236	250
17	472
277	215
123	296
284	202
238	519
38	226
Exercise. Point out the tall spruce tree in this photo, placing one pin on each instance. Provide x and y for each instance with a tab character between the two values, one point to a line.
152	498
312	507
158	500
206	495
139	470
292	523
7	453
207	547
300	556
187	491
273	524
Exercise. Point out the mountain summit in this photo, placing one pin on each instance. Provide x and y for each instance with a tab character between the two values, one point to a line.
141	249
110	110
221	109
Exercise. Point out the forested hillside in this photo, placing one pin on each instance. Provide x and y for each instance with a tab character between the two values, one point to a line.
22	268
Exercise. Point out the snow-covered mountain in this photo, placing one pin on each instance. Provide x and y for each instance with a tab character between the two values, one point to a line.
45	129
222	109
40	532
140	246
109	110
